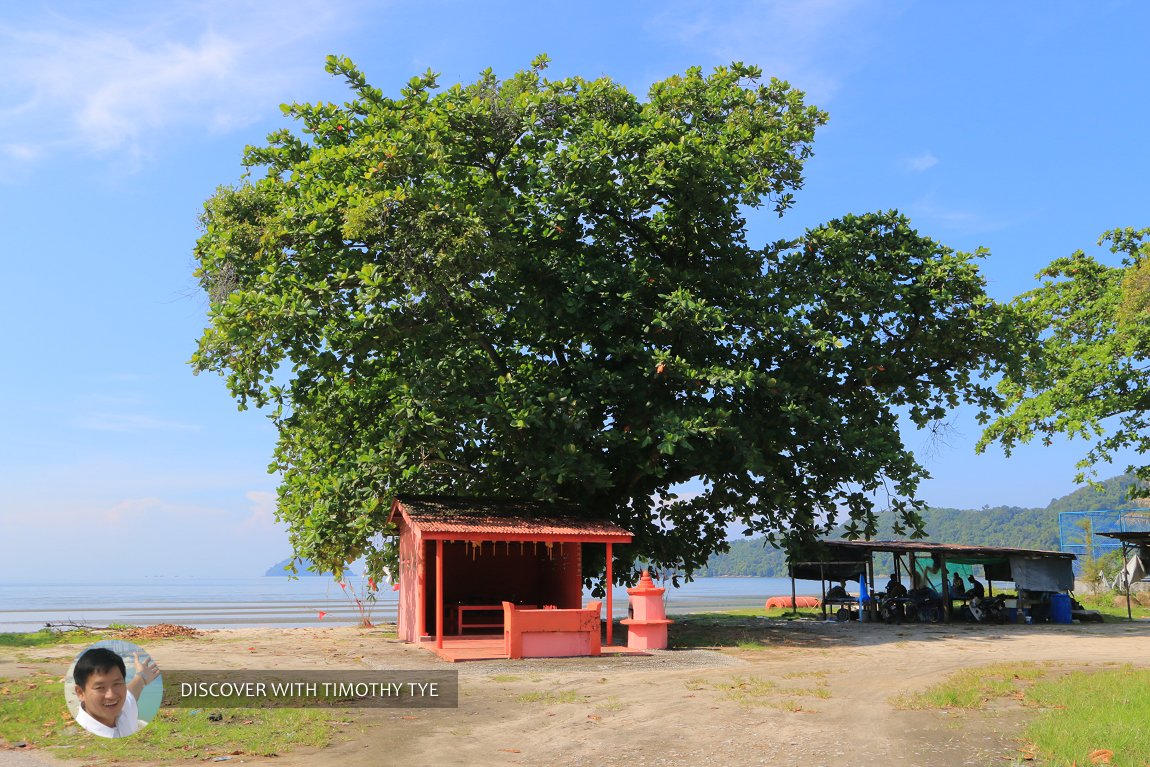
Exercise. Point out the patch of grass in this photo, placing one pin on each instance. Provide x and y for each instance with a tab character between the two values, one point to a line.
611	704
383	631
809	692
752	644
741	612
786	614
749	690
1084	713
806	674
971	688
756	691
747	628
717	630
548	697
774	613
32	710
1085	717
46	638
1112	606
504	678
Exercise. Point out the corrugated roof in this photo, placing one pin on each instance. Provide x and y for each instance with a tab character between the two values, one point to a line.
502	517
1139	537
956	549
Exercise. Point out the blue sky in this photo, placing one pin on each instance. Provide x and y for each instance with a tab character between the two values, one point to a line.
1016	127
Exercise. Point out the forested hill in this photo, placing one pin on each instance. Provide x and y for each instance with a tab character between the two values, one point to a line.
997	526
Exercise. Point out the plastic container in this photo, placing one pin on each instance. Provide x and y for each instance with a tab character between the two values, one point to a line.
1012	614
1060	608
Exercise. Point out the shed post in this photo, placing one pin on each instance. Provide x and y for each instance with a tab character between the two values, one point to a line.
945	587
610	603
439	593
421	588
823	589
794	599
1126	580
873	594
868	572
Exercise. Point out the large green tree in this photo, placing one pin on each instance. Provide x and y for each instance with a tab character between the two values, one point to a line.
1086	370
544	288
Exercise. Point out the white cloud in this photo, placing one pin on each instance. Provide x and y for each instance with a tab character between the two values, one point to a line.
51	513
144	88
130	423
131	507
262	512
121	86
789	40
920	162
21	152
955	217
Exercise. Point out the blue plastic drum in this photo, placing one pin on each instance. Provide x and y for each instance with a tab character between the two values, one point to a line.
1060	608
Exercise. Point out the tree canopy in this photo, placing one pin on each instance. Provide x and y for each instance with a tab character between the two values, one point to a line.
545	289
1086	371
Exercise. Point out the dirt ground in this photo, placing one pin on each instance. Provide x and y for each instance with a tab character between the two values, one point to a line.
831	703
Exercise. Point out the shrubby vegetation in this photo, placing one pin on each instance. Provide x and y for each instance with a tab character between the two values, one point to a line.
1026	528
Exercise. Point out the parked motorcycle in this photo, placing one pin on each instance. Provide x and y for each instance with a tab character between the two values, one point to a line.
988	609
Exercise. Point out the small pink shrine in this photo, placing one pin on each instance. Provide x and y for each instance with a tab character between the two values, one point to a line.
647	626
498	578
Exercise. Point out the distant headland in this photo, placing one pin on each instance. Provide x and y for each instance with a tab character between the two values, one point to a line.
305	569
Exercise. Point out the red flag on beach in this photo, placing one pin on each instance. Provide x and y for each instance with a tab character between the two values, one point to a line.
371	582
395	587
321	614
342	585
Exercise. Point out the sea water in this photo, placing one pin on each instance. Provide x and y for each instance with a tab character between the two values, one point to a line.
283	602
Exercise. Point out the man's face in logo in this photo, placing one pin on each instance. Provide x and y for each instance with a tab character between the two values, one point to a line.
103	696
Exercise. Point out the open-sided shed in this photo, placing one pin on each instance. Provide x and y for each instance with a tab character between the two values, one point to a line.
460	559
1030	569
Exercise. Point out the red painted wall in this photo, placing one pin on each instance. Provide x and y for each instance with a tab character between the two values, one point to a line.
409	568
493	572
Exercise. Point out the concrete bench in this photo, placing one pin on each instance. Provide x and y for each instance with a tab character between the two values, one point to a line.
546	633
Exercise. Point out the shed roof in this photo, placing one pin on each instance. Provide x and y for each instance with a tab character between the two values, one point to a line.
1135	537
457	518
952	550
847	559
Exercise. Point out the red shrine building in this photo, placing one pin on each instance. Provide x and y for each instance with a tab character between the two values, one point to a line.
512	570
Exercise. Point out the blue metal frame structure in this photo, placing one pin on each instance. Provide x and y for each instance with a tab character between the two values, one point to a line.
1078	531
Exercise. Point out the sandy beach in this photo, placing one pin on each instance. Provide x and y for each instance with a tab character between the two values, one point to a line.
830	703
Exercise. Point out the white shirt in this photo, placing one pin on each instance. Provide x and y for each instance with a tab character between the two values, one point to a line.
127	722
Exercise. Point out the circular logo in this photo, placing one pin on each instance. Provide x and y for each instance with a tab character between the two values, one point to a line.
113	688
